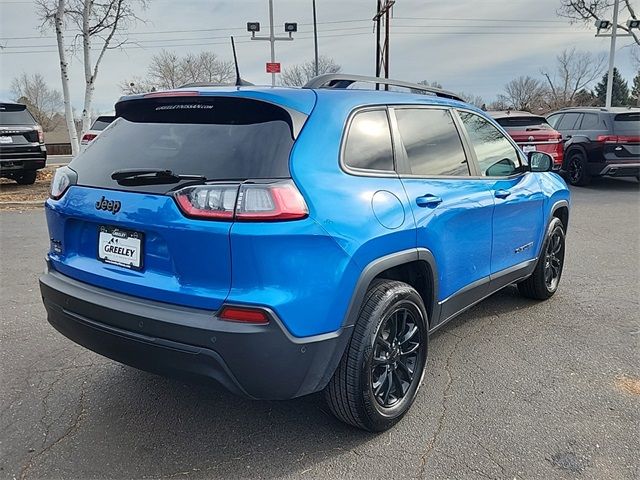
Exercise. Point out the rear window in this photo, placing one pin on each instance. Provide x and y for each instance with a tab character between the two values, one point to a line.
15	115
218	137
627	123
102	122
523	122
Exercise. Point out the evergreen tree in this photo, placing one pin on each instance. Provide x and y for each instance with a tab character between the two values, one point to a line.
635	90
620	93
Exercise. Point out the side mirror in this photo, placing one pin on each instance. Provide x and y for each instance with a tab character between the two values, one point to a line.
540	162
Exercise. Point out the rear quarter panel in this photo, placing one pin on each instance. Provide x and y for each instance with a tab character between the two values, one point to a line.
316	263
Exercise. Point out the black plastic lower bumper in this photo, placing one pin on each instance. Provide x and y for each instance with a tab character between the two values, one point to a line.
12	165
259	361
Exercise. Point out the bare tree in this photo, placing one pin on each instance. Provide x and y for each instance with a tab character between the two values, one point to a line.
207	67
97	24
433	84
473	99
136	85
524	93
298	75
586	11
168	70
45	103
574	71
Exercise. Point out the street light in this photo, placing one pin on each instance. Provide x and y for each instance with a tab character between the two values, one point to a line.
633	23
603	25
254	27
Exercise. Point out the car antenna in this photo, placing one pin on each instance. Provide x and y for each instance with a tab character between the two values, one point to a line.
239	81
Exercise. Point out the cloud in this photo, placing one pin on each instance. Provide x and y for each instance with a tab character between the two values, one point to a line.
430	40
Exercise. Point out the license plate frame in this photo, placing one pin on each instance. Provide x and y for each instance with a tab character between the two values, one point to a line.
125	244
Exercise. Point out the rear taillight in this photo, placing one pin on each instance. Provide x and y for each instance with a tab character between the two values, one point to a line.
40	134
62	180
260	202
216	202
244	315
618	139
276	201
87	137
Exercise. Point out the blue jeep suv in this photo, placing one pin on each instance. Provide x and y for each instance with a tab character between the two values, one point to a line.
285	241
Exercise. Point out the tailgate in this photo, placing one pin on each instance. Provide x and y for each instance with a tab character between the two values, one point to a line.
182	261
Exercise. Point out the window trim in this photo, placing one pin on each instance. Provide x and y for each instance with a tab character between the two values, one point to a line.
403	167
523	160
367	172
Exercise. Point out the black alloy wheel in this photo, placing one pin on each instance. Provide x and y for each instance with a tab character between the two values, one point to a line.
395	357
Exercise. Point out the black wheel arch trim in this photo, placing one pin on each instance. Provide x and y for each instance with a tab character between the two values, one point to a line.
557	206
379	265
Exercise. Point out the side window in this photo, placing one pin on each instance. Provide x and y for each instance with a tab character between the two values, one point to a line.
497	157
589	121
368	144
432	142
568	122
554	119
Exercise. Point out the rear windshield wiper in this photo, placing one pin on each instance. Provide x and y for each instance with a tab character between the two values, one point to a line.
151	176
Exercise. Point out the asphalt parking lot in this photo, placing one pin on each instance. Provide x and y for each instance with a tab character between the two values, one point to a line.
513	389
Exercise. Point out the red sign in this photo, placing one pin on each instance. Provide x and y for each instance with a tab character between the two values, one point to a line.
273	67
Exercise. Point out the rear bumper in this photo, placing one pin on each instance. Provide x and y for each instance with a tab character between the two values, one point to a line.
258	361
621	169
19	161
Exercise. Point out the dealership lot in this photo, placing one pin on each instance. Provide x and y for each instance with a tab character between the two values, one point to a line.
513	389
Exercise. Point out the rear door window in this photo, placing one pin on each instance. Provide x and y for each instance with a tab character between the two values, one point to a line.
102	122
589	121
568	122
431	141
368	143
220	138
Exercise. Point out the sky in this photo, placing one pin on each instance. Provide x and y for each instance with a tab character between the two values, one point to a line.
474	46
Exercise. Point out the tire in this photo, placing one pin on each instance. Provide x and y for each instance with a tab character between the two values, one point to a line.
577	172
544	281
365	376
27	178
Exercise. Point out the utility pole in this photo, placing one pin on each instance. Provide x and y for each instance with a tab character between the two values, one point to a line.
253	27
612	53
315	37
382	49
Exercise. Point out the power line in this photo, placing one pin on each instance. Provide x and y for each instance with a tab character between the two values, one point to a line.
457	33
303	32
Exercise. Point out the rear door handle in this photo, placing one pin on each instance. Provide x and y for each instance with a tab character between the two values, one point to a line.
502	193
428	200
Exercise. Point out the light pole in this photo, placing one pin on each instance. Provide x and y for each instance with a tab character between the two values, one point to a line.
606	25
254	27
612	53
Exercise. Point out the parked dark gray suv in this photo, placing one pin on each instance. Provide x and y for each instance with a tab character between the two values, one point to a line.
22	149
599	141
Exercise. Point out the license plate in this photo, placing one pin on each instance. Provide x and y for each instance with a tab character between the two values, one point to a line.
6	139
120	247
528	148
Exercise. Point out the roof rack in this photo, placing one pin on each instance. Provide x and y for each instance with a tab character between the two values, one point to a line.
339	80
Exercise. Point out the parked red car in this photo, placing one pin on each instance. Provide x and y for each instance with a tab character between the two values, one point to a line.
532	132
